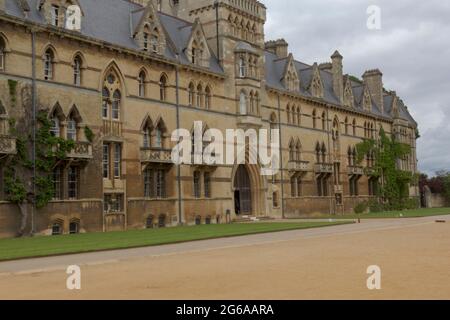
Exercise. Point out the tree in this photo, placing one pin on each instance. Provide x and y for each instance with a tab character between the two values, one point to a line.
394	182
444	177
22	186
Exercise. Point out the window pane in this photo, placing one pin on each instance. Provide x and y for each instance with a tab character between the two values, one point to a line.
197	193
117	160
207	184
105	161
72	130
72	180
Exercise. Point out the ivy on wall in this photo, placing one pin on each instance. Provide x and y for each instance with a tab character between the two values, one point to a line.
19	173
394	182
12	84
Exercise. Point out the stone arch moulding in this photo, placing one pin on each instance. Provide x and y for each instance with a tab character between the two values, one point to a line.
112	65
259	187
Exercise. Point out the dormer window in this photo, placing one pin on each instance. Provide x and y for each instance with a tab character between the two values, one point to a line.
194	55
146	41
242	68
154	43
55	15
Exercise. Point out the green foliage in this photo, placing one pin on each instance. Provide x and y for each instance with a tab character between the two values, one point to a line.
446	185
12	91
89	134
356	79
376	206
14	187
49	151
361	207
394	189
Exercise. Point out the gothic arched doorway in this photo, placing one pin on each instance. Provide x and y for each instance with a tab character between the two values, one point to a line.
242	191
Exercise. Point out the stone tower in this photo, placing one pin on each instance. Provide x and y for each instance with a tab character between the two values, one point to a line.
235	33
337	71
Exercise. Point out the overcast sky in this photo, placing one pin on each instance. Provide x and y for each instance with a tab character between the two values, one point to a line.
412	49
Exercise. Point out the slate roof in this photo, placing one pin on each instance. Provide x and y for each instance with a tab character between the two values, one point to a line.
116	27
275	67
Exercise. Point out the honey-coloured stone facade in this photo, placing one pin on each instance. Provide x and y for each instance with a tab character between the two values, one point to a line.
132	79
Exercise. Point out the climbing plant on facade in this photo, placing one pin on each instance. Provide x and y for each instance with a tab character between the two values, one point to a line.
393	188
20	172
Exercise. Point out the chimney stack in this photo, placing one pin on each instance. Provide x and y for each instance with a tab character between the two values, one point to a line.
3	5
374	79
338	75
278	47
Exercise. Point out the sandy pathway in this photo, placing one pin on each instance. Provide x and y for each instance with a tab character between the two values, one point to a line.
414	257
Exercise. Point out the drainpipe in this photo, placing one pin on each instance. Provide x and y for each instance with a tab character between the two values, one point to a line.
33	101
329	155
216	6
281	158
177	93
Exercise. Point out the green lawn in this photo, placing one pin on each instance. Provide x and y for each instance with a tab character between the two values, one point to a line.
11	249
392	214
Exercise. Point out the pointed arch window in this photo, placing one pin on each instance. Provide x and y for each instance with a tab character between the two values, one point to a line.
299	116
191	94
199	96
77	65
154	42
54	13
55	129
324	121
354	127
105	101
298	151
116	105
56	119
242	67
314	119
318	153
72	129
288	114
294	115
158	138
324	153
159	135
243	103
291	151
141	83
147	135
2	55
208	98
145	40
163	88
49	61
197	187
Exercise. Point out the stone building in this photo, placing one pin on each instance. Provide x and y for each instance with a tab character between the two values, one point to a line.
137	70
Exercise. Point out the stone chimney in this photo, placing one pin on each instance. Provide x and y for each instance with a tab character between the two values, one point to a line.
338	75
278	47
2	5
374	79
